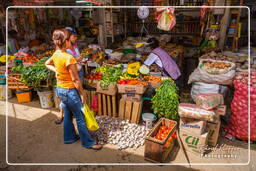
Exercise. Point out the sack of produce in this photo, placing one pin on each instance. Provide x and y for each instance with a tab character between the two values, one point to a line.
216	66
204	88
202	76
188	110
238	121
209	101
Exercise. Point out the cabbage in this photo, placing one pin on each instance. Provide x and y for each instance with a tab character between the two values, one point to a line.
144	70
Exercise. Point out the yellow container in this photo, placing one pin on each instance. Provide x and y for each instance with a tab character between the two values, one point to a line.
24	96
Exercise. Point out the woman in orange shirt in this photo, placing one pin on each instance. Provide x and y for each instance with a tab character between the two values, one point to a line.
70	90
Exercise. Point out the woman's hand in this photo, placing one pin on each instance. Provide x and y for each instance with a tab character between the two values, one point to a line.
79	59
83	97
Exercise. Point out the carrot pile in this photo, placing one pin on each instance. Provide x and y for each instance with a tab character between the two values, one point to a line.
131	82
153	79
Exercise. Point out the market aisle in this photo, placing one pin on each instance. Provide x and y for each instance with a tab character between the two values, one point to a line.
34	138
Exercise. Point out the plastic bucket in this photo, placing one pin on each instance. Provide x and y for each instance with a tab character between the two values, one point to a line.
3	92
148	118
46	99
24	96
2	80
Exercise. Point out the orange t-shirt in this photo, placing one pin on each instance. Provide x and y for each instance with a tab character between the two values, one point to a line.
61	62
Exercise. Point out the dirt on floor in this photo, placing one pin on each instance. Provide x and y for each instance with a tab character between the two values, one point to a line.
34	138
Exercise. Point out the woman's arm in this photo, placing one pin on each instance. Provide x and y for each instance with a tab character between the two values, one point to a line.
151	59
72	69
49	65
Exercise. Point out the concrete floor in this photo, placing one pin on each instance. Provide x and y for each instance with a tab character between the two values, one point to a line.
34	138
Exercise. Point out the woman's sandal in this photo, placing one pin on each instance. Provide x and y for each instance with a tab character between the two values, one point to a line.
96	147
59	121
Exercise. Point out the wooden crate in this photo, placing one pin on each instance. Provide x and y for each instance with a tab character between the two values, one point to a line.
14	82
156	150
130	110
107	105
136	89
109	90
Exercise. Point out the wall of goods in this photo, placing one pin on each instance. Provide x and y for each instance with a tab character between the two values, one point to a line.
133	104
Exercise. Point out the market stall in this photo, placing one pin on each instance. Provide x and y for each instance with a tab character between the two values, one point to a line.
135	104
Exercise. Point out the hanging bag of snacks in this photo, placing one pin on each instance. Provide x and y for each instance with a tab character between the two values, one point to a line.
166	20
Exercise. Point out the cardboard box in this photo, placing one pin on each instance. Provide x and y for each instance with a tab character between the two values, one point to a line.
194	143
192	125
221	110
109	90
136	89
132	97
213	129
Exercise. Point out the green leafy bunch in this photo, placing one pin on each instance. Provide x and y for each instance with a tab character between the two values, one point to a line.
112	75
166	101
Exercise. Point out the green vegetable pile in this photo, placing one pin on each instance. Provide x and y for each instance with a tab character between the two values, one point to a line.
166	101
33	75
111	75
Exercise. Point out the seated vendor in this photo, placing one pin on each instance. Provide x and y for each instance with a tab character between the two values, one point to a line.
163	60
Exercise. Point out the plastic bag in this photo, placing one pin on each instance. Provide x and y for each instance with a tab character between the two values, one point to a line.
166	20
90	121
209	101
204	88
202	76
188	110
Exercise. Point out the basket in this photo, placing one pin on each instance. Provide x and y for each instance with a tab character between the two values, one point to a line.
24	96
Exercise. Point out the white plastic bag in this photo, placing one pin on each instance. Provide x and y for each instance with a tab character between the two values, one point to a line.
204	88
202	76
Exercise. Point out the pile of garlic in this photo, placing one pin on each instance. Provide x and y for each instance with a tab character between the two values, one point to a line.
120	132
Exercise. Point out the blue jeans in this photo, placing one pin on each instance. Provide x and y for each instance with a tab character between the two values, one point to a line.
72	105
81	75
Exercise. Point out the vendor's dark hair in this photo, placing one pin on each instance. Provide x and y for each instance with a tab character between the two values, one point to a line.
59	37
153	43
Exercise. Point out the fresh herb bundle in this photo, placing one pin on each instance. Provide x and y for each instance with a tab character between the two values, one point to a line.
166	101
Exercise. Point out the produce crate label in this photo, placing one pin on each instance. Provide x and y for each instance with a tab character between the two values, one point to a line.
193	125
221	110
132	96
135	89
193	142
213	129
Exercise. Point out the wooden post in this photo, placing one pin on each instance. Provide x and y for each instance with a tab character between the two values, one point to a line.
109	105
104	105
224	25
128	110
99	104
121	108
114	114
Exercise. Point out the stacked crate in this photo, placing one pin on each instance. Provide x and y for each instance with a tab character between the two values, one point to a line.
107	100
131	103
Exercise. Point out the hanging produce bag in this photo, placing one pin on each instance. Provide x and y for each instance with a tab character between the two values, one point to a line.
90	121
166	20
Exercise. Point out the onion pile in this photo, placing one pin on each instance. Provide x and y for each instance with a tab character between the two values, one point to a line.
120	132
238	122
